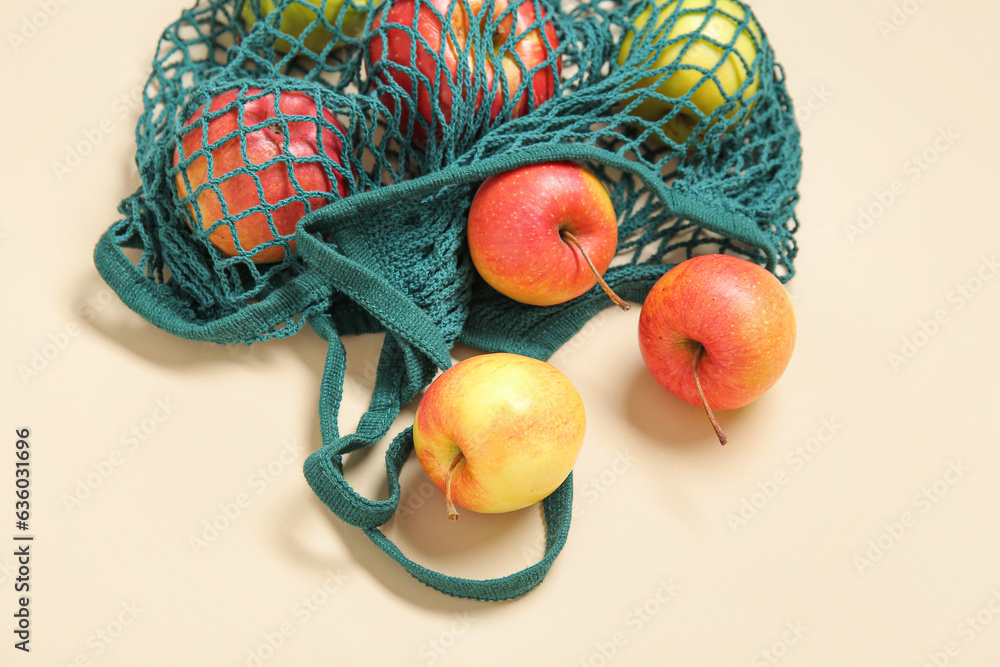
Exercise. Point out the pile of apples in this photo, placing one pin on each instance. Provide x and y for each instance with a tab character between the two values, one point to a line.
500	432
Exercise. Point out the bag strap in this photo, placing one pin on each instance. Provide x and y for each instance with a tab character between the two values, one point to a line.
324	468
689	206
414	348
397	380
150	300
557	509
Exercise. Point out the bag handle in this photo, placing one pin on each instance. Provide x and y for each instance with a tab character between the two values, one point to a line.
324	468
148	299
307	290
723	221
557	509
414	347
396	381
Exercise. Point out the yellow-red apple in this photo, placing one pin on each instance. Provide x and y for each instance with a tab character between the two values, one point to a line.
543	234
498	432
286	134
411	45
717	331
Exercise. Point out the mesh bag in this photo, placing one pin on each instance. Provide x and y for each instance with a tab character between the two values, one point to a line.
314	161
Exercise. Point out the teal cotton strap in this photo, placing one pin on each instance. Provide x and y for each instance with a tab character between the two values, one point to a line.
557	508
380	298
324	470
150	300
413	350
710	216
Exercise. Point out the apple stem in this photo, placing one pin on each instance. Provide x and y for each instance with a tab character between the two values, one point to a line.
701	394
607	290
452	511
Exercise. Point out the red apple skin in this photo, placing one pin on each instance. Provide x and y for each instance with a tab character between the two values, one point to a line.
515	226
239	191
737	310
518	422
400	55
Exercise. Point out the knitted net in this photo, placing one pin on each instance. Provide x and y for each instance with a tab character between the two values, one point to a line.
315	160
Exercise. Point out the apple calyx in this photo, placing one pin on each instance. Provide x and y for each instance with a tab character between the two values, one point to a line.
498	35
452	510
620	302
699	349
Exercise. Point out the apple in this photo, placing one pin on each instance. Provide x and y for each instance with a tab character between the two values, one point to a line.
543	234
227	202
717	331
498	432
411	45
297	16
708	69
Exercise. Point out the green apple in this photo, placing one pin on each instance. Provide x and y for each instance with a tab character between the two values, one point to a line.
693	42
498	432
298	15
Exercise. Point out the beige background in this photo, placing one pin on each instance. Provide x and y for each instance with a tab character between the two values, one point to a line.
879	547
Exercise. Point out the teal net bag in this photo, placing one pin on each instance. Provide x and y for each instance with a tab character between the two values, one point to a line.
314	161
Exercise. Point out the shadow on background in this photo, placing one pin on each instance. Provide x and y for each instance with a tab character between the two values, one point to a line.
664	418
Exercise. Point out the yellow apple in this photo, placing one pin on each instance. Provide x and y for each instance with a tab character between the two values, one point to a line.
711	73
498	432
298	15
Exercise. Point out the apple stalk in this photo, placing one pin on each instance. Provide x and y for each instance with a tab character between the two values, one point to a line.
701	394
600	279
452	510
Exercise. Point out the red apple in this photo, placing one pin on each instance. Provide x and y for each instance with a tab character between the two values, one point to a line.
395	52
717	331
543	234
498	432
227	202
